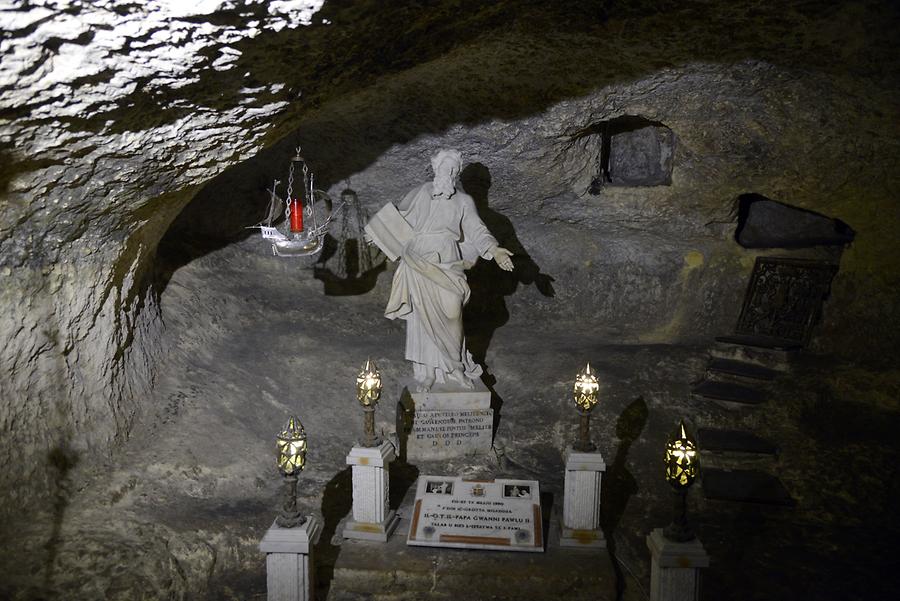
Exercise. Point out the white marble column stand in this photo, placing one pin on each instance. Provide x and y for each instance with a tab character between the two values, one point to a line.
372	519
289	560
675	568
581	503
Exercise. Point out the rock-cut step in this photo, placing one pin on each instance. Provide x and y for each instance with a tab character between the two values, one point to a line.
734	441
749	486
771	353
742	369
729	393
764	342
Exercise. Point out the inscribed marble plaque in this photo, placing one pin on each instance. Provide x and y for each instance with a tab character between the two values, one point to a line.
445	422
440	434
503	515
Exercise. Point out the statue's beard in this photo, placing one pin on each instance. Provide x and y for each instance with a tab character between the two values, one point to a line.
443	186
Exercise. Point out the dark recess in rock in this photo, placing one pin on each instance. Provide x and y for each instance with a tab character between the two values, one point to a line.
635	152
767	223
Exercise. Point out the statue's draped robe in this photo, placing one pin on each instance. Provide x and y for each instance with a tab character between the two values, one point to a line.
435	238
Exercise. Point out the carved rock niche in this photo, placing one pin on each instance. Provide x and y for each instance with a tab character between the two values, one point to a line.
634	152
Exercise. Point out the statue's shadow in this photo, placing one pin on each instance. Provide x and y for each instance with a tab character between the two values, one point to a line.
348	266
486	310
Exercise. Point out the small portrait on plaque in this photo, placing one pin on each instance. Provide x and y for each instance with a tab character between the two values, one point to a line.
439	487
517	491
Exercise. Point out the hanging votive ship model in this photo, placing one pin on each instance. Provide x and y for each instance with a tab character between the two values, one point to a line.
294	238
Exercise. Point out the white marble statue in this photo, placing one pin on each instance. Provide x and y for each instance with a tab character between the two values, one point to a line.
436	233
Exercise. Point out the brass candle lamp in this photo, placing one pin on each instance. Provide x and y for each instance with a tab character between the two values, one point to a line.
682	467
585	397
291	448
368	391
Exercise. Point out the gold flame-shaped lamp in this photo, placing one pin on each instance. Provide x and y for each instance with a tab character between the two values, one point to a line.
368	391
291	446
586	388
585	397
682	461
368	385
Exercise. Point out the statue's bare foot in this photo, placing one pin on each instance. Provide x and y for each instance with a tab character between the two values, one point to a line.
460	378
425	385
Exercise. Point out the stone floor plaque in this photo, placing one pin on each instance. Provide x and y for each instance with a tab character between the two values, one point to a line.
445	422
503	515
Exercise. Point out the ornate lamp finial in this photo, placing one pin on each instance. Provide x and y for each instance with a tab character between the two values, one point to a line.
291	446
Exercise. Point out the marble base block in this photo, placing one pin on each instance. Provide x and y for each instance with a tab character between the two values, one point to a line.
675	568
445	422
289	561
581	503
372	517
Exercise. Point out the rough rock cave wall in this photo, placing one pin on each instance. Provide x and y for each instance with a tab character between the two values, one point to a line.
108	133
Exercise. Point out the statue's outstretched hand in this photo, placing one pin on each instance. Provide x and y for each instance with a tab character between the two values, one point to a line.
503	258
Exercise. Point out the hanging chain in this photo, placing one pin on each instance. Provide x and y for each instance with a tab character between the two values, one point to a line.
309	179
290	190
366	262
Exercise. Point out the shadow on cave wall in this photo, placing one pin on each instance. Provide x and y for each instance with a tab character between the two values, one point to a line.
337	500
619	483
486	310
347	266
61	459
337	503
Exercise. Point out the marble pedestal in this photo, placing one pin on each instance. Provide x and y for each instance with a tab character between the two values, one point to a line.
581	504
289	560
675	568
372	517
447	421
